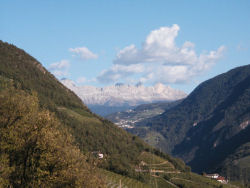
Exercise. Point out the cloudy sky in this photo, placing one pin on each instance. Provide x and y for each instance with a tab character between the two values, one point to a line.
177	43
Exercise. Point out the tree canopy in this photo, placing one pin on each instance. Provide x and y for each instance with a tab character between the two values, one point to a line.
36	150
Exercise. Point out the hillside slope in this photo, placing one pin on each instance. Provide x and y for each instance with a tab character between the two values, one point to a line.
91	132
210	124
221	134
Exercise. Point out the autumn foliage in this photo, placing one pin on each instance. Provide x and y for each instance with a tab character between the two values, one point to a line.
35	149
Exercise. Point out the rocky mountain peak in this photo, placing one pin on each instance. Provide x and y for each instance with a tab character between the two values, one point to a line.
120	94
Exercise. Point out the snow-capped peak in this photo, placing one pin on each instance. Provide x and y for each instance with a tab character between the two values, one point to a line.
68	83
120	94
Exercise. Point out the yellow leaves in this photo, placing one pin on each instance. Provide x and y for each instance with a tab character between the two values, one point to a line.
5	170
36	147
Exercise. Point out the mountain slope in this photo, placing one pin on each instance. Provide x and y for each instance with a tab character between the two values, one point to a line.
210	124
237	164
91	132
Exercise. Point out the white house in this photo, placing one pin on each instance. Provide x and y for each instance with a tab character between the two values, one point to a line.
100	155
214	176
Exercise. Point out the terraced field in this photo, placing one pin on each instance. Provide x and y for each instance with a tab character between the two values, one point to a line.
163	174
160	173
115	180
155	164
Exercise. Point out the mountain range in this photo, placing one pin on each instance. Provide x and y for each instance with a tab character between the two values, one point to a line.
209	129
120	97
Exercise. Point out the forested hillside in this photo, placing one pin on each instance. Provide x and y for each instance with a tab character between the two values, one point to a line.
36	151
210	125
90	132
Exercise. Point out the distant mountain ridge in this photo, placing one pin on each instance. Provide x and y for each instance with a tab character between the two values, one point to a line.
120	94
120	97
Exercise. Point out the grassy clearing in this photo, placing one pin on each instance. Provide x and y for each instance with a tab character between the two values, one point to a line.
150	158
83	117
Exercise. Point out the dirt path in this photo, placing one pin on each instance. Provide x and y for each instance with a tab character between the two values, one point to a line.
170	183
182	179
159	164
172	172
164	162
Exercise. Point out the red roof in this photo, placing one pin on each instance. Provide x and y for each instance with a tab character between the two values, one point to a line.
220	178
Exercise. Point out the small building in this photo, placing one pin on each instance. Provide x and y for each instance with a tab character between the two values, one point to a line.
217	177
214	176
98	154
143	163
221	179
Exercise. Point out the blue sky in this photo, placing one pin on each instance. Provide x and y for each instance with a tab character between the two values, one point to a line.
178	43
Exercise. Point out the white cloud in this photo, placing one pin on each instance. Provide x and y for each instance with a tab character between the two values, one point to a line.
161	60
60	69
160	47
83	52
